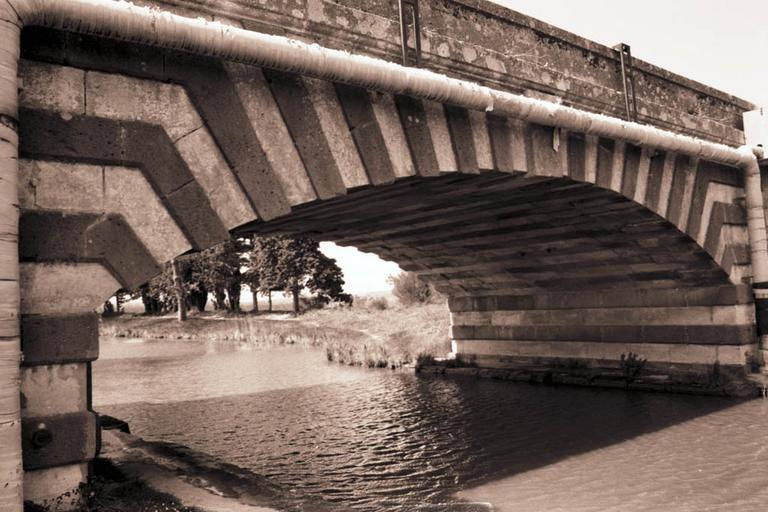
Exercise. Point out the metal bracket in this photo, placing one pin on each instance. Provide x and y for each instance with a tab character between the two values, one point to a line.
627	80
414	7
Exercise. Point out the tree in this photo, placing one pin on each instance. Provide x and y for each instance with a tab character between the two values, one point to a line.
409	289
251	277
219	269
292	264
327	281
265	264
179	289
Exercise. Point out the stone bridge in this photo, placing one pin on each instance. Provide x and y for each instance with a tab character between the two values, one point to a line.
557	235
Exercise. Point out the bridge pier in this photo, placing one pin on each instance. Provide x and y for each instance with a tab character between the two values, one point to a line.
696	332
59	429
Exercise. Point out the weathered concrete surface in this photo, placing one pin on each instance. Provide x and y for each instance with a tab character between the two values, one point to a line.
57	288
67	187
54	389
45	485
487	43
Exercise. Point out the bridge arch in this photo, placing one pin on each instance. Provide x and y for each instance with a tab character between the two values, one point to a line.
178	151
550	245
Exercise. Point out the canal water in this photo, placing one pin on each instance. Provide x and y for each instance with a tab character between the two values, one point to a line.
383	440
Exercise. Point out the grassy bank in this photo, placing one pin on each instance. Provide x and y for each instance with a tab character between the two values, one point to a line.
363	335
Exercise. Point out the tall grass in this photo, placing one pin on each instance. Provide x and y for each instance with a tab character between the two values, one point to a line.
233	328
368	336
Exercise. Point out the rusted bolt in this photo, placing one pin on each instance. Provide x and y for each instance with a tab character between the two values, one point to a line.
41	437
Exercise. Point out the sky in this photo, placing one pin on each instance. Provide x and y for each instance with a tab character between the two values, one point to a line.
721	43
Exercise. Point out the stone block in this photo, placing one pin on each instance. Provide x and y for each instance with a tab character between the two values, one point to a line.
122	97
113	242
362	123
501	135
59	339
128	193
57	440
441	137
345	150
212	172
9	321
269	128
577	146
52	236
63	186
148	147
294	100
43	486
27	184
392	132
61	288
47	135
414	121
734	355
692	354
54	389
481	139
543	150
203	227
51	87
605	148
462	138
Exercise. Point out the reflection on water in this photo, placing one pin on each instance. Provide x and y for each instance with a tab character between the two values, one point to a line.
380	440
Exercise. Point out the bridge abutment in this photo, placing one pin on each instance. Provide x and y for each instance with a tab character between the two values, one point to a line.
699	334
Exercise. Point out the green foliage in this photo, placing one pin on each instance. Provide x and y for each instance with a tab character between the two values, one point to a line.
378	303
409	289
292	264
218	270
632	366
424	359
264	264
752	361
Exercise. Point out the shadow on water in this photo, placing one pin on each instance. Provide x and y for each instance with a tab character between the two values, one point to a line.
395	440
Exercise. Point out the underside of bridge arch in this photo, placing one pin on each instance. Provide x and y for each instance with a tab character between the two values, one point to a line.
542	267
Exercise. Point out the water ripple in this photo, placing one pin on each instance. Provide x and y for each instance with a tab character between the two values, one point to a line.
379	440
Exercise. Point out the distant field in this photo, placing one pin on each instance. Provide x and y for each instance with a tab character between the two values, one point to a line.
279	301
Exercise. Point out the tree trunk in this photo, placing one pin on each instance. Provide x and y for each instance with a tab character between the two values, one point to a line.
269	296
219	298
198	299
295	291
255	294
146	300
178	285
233	296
